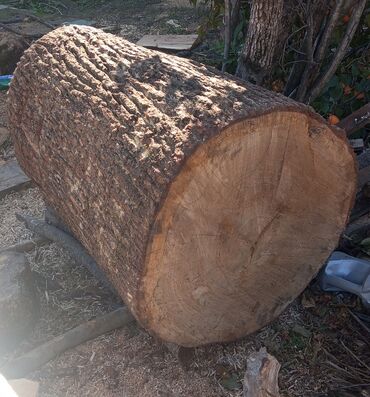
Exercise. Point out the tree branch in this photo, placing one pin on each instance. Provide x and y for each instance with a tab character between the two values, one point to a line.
339	54
329	27
303	85
232	8
235	10
320	48
296	70
227	37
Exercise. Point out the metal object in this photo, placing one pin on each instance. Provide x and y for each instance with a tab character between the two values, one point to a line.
346	273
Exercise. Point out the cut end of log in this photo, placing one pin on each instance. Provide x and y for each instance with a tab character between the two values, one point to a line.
244	227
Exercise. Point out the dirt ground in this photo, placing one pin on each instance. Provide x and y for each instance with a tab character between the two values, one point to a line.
322	349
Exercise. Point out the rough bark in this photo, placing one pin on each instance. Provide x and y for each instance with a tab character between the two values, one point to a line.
263	31
209	203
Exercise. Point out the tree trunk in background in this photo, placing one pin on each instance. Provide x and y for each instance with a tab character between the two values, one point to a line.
255	60
210	203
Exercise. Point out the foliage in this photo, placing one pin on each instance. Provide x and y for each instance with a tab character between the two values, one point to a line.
214	19
348	89
235	46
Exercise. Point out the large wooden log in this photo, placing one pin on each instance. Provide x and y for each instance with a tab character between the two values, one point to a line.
209	203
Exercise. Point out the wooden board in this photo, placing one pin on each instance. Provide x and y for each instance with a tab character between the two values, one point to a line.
12	178
174	42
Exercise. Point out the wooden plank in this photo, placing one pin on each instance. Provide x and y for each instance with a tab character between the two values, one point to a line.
174	42
12	178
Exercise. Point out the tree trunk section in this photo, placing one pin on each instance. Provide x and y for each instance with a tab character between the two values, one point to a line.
209	203
263	32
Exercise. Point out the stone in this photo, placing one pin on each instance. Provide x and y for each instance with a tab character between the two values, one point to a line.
19	305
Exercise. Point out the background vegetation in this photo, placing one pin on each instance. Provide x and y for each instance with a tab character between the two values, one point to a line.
346	91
